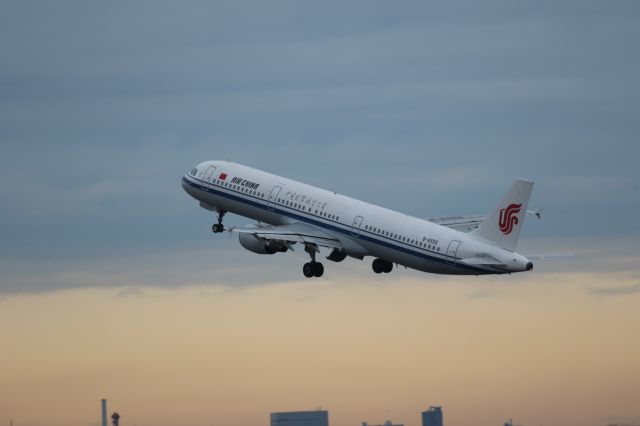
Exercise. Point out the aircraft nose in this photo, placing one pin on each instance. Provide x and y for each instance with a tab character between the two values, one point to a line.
185	185
529	266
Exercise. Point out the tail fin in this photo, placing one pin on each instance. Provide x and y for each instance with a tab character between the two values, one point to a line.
502	226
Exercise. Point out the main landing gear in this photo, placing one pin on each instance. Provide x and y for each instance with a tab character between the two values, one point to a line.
219	227
380	265
313	268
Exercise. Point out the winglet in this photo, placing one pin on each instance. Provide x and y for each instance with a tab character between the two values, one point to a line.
502	226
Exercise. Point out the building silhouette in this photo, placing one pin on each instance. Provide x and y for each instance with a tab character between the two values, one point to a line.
300	418
432	417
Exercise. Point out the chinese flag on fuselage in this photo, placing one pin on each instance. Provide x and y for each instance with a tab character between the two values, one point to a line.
222	176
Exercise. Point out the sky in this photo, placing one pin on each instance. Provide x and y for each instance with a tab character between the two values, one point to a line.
112	285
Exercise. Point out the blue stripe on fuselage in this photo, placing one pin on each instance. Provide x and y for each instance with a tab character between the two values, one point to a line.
263	205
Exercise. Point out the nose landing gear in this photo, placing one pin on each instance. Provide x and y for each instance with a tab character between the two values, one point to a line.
219	227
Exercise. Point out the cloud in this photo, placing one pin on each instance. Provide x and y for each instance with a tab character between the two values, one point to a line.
425	109
130	292
615	291
482	295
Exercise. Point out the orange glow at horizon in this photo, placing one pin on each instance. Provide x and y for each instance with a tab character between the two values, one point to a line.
543	351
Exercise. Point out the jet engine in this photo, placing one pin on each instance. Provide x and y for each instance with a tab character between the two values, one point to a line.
259	245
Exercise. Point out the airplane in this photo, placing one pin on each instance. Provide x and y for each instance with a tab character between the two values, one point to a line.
290	212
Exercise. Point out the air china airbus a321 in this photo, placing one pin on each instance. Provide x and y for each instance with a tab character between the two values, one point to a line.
290	212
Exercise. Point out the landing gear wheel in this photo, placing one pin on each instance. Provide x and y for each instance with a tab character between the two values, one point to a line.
380	266
308	270
318	269
219	227
313	269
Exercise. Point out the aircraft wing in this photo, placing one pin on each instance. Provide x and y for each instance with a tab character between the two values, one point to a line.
293	233
469	223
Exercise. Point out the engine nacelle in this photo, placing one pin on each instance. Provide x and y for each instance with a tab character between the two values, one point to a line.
337	255
259	245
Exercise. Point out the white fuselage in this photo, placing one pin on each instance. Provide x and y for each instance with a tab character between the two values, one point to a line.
362	228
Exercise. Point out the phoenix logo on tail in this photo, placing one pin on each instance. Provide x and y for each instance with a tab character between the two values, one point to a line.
508	218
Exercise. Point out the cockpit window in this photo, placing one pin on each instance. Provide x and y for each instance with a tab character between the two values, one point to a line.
193	171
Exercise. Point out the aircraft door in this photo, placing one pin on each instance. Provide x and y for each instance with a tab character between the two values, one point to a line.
452	252
355	228
273	197
208	175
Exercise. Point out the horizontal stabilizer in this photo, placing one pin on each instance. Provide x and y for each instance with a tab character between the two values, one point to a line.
469	223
